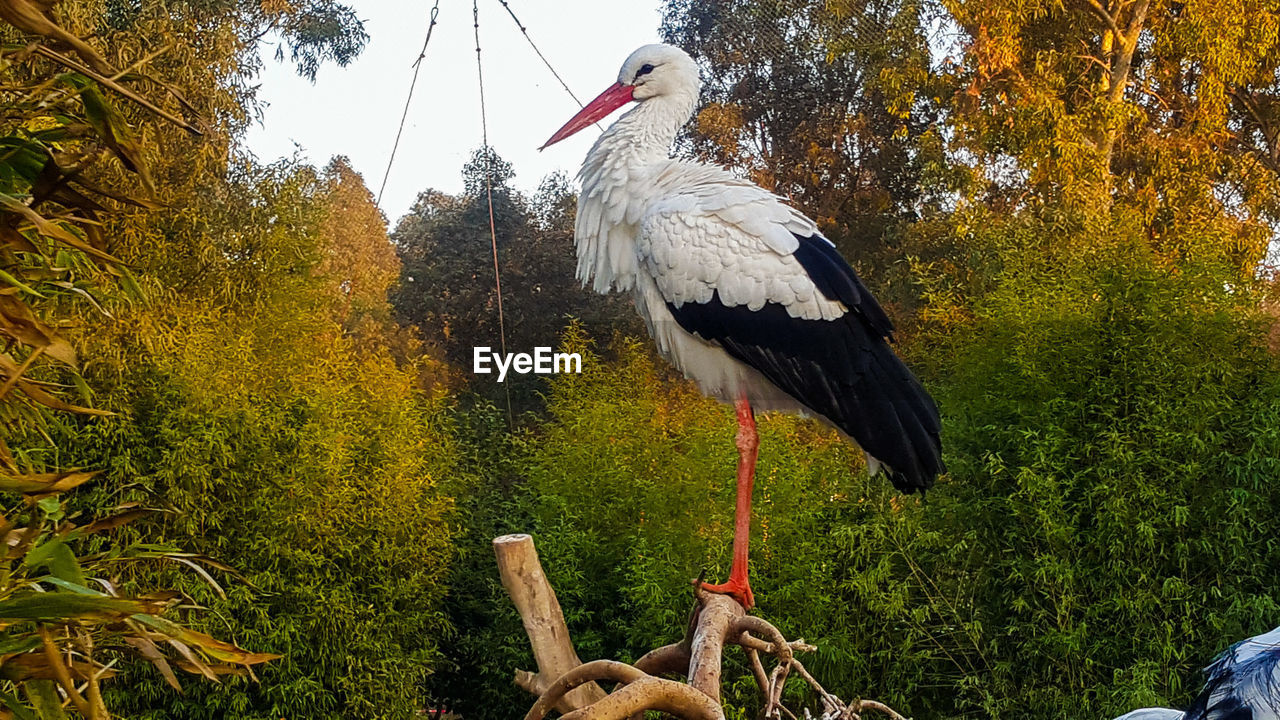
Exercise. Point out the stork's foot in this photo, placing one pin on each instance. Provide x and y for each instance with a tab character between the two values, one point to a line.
737	588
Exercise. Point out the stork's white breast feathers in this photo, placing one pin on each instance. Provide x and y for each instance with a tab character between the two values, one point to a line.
730	238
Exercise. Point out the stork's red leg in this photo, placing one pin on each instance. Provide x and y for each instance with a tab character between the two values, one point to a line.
748	442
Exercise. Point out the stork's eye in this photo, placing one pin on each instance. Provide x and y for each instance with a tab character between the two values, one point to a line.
645	69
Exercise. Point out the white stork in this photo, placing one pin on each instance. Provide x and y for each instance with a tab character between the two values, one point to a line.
740	291
1243	683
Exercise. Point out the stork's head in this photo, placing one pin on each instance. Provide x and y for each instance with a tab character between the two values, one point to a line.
652	72
656	70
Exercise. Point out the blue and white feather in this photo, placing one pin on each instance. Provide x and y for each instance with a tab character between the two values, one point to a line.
1243	684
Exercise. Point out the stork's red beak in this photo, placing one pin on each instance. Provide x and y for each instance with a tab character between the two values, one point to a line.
615	97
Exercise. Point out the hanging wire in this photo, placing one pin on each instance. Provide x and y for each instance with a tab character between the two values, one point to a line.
524	31
488	191
417	65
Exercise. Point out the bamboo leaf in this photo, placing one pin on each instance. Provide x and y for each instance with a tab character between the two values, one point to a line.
20	711
18	283
113	129
17	321
52	229
64	565
68	606
148	650
25	157
44	696
203	574
28	666
114	521
36	393
217	649
193	660
46	482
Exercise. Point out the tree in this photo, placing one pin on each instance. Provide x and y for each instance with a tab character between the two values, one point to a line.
253	425
358	261
447	288
1156	113
67	116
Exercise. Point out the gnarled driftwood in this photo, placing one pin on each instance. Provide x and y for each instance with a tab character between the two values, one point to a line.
564	683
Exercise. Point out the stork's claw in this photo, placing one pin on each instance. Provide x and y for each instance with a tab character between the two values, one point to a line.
737	588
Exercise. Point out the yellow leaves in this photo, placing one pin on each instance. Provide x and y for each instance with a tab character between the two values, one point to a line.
53	229
44	483
19	323
114	130
31	17
275	7
12	375
722	124
212	647
997	47
29	666
358	260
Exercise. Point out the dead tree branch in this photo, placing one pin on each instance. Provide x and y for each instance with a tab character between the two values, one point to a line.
716	621
543	620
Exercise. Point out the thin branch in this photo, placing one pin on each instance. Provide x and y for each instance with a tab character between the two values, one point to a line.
777	679
1268	133
109	83
830	702
757	669
666	659
879	707
777	645
1105	16
62	675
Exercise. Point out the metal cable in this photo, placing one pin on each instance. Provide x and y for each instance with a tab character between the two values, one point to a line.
488	191
524	31
417	65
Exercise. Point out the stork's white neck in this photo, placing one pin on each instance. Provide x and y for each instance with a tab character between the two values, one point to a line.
616	187
644	134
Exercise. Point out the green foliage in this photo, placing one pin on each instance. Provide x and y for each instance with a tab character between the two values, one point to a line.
1114	452
314	31
307	459
628	490
1112	443
60	129
264	404
64	618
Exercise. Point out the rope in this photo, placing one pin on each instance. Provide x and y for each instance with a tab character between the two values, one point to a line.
488	191
417	65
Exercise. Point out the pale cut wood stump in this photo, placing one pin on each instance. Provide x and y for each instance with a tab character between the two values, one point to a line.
543	620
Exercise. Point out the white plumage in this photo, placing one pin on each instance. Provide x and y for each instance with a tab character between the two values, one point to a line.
1152	714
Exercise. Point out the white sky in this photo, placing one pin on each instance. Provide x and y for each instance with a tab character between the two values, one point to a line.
354	111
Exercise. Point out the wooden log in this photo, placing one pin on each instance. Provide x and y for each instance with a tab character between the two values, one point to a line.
543	620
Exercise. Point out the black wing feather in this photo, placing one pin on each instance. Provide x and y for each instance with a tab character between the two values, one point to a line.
842	369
